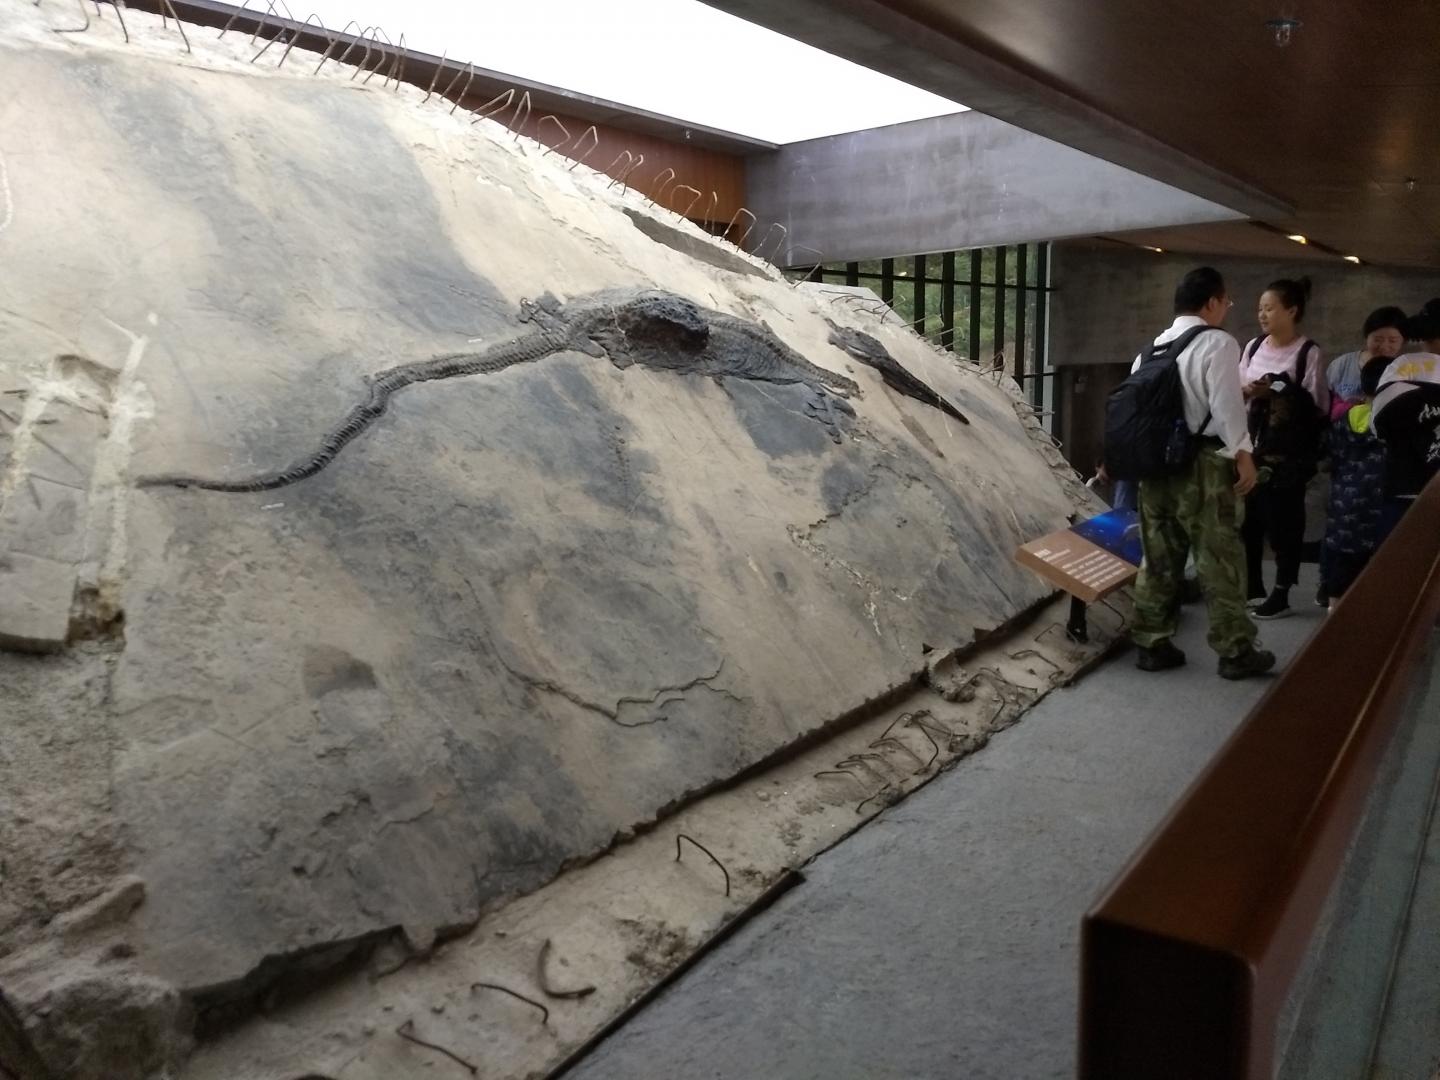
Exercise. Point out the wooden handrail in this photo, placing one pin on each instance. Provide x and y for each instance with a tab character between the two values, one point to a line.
1188	957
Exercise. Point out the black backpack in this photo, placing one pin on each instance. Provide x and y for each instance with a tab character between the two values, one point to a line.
1289	432
1146	436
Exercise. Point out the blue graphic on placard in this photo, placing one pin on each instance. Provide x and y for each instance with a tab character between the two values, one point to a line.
1118	532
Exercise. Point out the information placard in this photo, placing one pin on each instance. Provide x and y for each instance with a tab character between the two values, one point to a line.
1091	559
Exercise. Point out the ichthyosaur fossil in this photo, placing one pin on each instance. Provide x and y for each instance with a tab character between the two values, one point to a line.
869	351
654	329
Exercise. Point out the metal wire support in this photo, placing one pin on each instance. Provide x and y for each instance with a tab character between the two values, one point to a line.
818	262
436	77
859	762
934	746
886	790
625	176
259	22
376	33
660	191
362	40
470	67
491	107
119	14
784	233
397	66
686	187
318	22
542	978
75	29
333	42
891	740
540	126
707	851
278	37
710	209
517	121
544	1011
629	160
593	146
178	24
745	235
406	1031
228	22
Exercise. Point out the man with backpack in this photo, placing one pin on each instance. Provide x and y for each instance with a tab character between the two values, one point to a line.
1178	425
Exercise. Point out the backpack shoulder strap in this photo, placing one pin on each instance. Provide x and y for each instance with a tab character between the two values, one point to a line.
1253	347
1303	363
1175	346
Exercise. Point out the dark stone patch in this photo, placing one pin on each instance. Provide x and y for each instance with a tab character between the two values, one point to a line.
706	251
327	669
654	329
775	418
840	484
871	352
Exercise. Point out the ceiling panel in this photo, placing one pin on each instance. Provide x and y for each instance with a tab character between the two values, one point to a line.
1351	105
1196	95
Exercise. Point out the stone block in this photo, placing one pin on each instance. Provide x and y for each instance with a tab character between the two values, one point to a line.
64	444
35	598
44	518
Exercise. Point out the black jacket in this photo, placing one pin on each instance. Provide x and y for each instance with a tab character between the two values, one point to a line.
1407	417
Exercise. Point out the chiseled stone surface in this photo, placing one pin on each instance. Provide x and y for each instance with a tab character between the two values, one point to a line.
519	615
35	598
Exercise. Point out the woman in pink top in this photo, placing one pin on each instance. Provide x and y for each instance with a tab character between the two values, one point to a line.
1287	398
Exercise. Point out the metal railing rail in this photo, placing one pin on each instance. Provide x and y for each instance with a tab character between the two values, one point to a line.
1188	957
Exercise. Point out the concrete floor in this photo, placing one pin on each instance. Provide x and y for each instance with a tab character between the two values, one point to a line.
942	940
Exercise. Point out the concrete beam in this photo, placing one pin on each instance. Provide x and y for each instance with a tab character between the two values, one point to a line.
871	33
950	182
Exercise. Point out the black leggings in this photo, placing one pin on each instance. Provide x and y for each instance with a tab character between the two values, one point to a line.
1277	515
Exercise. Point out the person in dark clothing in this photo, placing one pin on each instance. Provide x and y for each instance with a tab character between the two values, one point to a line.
1357	457
1286	398
1406	415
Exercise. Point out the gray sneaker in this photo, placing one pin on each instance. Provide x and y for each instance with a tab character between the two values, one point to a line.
1247	663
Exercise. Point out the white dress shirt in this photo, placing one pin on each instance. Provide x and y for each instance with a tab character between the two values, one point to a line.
1210	377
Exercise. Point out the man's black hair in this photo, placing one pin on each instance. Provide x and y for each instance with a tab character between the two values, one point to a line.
1198	288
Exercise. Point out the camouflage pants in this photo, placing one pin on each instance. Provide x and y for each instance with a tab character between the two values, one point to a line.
1197	509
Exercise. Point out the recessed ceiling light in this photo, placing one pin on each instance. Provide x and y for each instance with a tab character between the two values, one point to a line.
1158	251
1297	238
1353	259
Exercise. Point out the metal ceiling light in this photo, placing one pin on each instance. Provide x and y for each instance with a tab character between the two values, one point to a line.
1283	28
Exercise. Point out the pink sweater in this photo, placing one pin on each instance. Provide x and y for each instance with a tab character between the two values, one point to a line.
1269	359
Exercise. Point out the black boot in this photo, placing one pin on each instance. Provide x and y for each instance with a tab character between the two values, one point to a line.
1161	657
1244	664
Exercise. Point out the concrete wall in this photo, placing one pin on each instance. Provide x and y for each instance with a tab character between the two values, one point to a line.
1109	301
951	182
